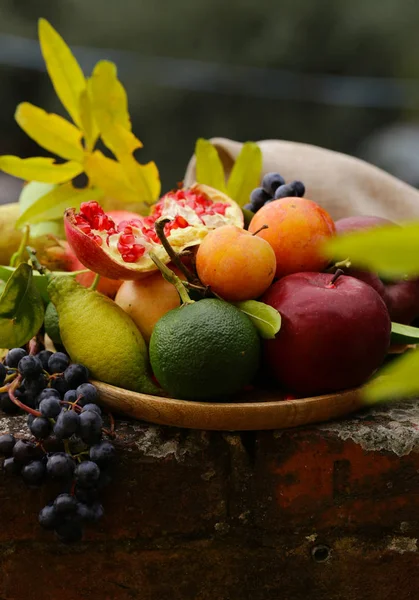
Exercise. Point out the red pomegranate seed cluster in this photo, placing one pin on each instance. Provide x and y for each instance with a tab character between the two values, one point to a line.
92	217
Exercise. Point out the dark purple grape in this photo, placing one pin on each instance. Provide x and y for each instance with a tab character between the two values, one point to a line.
102	454
65	504
76	375
70	396
30	420
299	188
30	367
67	423
98	512
271	182
87	474
33	473
48	393
90	427
44	357
48	517
88	392
11	466
6	405
69	532
60	466
89	513
290	190
258	198
34	387
60	385
93	408
13	357
40	428
50	407
3	373
7	443
24	451
58	362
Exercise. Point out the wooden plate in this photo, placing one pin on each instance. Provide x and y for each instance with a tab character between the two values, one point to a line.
255	411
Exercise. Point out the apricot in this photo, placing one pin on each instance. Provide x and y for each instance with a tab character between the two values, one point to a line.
235	264
146	300
296	227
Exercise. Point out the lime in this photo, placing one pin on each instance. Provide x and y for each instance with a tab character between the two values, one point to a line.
205	350
51	323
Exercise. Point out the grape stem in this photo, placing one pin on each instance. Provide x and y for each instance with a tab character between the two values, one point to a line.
33	346
174	257
12	388
172	278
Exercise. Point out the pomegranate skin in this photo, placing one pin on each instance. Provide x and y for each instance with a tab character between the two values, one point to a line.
94	258
332	337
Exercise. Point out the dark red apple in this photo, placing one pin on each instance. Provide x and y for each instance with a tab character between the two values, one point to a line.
401	297
333	335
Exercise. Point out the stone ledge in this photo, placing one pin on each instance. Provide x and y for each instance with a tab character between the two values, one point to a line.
202	515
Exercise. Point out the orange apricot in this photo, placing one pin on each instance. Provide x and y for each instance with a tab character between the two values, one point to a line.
235	264
296	227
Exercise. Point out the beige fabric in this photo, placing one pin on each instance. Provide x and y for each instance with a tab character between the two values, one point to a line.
342	184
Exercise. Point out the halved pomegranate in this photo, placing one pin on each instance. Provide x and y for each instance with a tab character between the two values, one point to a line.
121	250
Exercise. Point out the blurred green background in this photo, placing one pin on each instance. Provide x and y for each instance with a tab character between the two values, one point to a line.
338	74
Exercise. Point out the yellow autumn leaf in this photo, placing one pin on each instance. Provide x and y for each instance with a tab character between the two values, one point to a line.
145	179
109	175
50	131
54	203
64	71
40	169
88	123
110	109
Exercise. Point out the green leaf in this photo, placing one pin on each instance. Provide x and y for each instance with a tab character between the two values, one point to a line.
399	379
21	309
246	173
404	334
40	281
209	168
265	318
391	251
52	205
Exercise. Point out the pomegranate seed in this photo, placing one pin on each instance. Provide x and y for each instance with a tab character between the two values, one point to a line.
127	239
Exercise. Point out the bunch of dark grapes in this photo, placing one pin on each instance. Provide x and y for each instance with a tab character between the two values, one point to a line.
274	188
68	447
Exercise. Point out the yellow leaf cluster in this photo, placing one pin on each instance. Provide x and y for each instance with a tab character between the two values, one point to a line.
98	107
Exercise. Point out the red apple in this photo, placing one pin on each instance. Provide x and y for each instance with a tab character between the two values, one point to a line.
401	297
333	335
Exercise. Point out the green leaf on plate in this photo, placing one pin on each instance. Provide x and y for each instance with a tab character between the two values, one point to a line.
404	334
399	379
21	309
391	251
265	318
40	281
246	173
209	168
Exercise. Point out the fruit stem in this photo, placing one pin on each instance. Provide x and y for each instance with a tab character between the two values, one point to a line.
95	282
172	278
260	229
174	257
36	264
18	255
13	386
335	277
